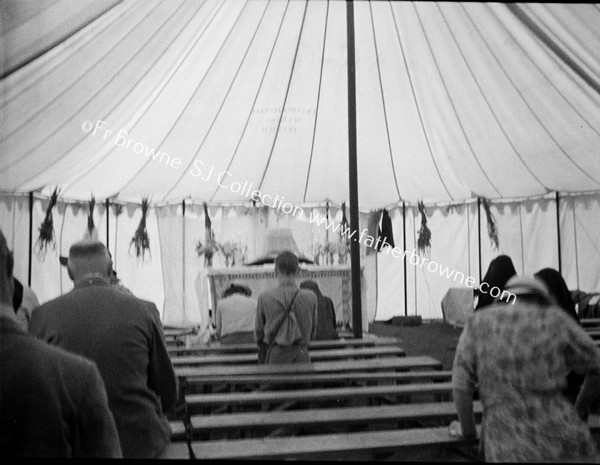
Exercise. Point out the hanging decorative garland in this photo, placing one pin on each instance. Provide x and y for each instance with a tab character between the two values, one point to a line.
344	244
424	239
46	230
491	223
91	228
210	245
118	208
140	239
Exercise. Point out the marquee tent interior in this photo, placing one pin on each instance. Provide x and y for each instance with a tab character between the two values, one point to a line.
468	107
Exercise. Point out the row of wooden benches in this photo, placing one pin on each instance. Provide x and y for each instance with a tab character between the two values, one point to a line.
203	434
384	405
371	375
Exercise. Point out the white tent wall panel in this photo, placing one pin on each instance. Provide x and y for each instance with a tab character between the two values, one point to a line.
587	216
192	264
527	232
49	278
142	276
526	229
170	228
14	223
580	242
449	254
413	224
390	293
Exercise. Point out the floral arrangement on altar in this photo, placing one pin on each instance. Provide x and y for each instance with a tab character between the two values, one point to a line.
326	253
231	251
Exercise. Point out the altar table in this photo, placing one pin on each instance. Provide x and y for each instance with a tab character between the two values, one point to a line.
334	281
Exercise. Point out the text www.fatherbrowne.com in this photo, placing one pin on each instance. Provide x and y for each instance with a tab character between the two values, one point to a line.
225	180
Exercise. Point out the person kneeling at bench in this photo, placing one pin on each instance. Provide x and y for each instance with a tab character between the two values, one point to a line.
286	317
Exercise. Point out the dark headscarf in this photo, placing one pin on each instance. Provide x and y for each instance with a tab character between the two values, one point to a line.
311	286
236	288
501	269
326	323
17	294
558	290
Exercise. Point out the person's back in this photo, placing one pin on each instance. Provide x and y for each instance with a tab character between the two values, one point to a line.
24	302
236	313
53	402
123	335
286	317
522	350
326	321
273	304
519	355
560	292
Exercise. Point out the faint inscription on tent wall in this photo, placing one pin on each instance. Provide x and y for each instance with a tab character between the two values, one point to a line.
286	120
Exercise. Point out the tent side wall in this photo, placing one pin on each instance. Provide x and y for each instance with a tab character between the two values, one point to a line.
528	231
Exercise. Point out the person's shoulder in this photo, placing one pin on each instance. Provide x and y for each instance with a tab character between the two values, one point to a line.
131	300
70	364
52	306
144	304
559	316
239	299
268	294
308	296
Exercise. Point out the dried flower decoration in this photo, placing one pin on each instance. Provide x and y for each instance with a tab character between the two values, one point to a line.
491	223
210	246
140	239
91	232
424	239
118	208
46	230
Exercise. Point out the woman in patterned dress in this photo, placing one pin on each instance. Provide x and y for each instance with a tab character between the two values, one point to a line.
518	356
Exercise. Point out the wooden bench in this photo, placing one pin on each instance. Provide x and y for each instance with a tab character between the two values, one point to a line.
593	333
314	446
236	422
315	355
337	366
264	398
327	378
590	322
218	348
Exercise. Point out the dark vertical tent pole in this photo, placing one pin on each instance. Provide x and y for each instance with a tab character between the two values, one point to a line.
107	225
30	238
353	175
479	235
558	232
183	247
404	258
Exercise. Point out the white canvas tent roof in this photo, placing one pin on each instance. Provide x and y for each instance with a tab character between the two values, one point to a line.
454	100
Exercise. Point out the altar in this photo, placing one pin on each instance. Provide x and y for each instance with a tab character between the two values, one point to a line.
334	281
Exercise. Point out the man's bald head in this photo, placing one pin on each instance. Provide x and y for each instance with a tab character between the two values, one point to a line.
89	256
6	272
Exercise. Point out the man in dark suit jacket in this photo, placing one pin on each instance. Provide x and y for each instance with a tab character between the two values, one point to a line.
123	335
52	403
